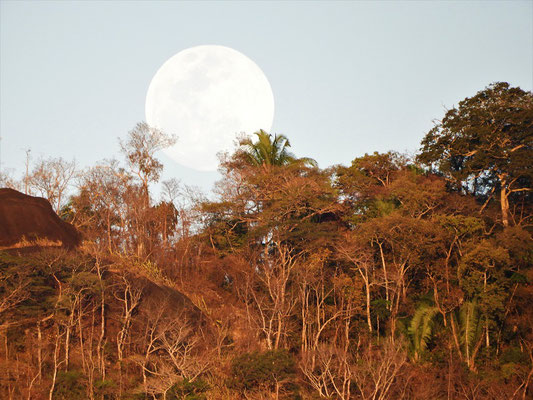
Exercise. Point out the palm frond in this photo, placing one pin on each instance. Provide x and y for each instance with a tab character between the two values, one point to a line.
268	150
471	325
421	328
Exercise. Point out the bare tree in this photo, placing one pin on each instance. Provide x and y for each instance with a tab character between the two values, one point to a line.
378	369
51	178
170	349
100	206
328	370
7	180
327	312
363	264
268	290
129	294
13	290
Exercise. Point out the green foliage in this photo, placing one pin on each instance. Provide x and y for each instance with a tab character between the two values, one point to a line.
256	370
268	151
518	278
105	388
518	242
39	273
298	249
470	327
485	136
84	280
187	390
508	370
514	355
380	308
482	276
223	228
70	385
363	185
421	328
485	146
462	226
154	273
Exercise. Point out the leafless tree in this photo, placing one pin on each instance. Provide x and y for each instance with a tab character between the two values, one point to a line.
51	178
363	264
102	190
7	180
13	290
129	294
377	370
170	349
327	345
268	290
328	370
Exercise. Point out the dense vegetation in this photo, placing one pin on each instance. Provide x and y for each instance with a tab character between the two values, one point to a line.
390	278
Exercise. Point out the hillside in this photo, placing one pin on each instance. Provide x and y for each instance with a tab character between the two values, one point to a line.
393	277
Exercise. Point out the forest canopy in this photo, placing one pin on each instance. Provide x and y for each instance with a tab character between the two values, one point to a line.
394	277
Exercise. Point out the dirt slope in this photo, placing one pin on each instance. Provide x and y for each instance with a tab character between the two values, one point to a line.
31	220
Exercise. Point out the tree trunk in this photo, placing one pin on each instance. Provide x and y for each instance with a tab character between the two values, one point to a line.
368	317
504	200
455	337
389	306
100	349
56	365
82	349
487	338
109	233
39	350
67	347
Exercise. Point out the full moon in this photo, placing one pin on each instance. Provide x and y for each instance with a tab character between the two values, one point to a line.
206	95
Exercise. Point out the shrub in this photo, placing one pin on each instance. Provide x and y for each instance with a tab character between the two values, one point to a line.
105	388
268	369
187	390
70	386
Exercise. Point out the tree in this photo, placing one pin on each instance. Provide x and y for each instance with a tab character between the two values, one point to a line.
483	272
268	151
98	208
353	252
378	369
50	178
404	246
377	169
140	147
471	328
363	184
421	328
272	370
7	180
485	145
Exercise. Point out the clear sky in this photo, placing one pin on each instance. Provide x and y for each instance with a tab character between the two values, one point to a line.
348	77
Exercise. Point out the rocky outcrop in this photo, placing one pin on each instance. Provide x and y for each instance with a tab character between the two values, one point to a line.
31	221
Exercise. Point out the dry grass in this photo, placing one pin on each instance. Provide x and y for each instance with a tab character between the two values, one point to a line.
38	242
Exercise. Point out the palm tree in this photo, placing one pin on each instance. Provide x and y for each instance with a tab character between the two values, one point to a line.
267	152
421	329
471	331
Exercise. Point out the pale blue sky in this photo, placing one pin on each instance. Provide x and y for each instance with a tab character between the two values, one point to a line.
347	77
